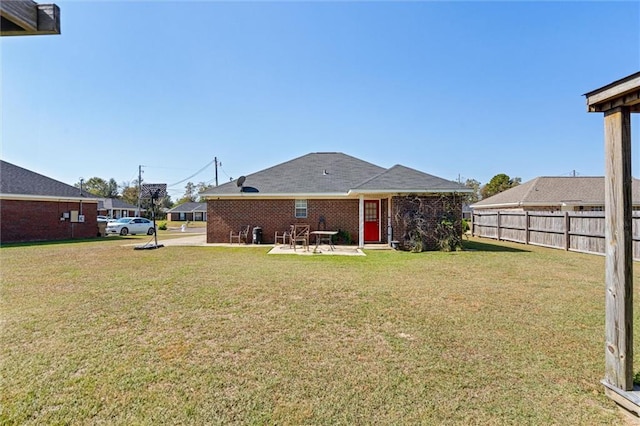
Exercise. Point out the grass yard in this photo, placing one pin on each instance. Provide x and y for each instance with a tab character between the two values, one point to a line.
97	333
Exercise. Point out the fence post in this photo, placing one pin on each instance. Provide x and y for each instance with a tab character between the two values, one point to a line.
473	221
567	224
498	224
526	226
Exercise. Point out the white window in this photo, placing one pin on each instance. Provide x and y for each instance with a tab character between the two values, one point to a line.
183	216
301	209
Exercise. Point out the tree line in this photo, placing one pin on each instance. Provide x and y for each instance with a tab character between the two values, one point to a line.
498	183
129	191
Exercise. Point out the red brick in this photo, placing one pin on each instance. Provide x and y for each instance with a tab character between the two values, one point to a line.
23	221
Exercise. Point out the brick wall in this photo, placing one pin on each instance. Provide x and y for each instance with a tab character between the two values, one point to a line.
22	221
277	215
433	208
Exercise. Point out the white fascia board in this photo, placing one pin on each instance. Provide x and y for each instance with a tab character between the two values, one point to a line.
23	197
409	191
262	195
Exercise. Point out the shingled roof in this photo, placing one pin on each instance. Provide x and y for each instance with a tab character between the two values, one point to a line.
188	207
333	174
554	191
115	203
19	182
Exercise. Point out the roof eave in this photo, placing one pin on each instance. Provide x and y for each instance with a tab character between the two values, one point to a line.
410	191
28	197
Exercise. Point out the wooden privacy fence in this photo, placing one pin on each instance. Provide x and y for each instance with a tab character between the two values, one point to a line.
576	231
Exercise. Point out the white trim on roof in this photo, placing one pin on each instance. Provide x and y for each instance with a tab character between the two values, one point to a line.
409	191
23	197
330	195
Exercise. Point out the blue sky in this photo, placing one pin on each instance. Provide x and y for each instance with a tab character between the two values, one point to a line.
455	89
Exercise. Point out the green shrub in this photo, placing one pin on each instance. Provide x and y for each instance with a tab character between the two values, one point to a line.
162	226
342	237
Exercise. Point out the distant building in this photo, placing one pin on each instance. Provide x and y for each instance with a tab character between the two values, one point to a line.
188	212
116	208
547	193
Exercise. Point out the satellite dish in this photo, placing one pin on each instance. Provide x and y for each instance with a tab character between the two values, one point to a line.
241	180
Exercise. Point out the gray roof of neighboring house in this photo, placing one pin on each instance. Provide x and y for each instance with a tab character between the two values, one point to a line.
188	207
115	203
554	191
15	180
333	173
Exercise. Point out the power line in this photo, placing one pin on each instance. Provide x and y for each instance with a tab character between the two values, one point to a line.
195	174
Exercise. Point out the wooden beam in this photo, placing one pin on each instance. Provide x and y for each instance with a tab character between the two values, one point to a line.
630	400
26	17
618	248
630	99
612	91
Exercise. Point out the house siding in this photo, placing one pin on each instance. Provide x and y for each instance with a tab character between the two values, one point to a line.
225	216
24	221
433	207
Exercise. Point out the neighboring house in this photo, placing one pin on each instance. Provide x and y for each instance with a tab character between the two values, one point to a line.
330	191
116	208
190	211
34	207
547	193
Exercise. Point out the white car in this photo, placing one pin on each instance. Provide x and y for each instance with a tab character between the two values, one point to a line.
130	225
103	219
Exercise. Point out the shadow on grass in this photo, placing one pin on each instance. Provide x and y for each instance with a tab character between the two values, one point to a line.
97	240
487	246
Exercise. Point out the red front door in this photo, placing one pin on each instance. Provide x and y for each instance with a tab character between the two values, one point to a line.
371	221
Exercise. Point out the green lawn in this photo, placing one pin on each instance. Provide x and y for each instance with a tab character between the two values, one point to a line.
97	333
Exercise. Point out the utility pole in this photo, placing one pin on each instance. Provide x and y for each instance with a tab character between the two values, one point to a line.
139	188
215	160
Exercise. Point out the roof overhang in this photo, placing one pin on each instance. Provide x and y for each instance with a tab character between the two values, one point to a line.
621	93
410	191
273	196
26	17
331	195
24	197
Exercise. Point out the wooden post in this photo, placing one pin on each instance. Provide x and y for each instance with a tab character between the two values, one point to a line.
618	247
567	238
526	226
498	223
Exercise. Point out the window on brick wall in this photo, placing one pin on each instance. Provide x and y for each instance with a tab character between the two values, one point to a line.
183	216
301	209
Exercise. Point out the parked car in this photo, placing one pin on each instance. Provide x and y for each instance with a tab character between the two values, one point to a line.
103	218
130	225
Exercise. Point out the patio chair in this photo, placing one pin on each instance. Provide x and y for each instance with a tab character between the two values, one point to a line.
300	234
242	235
284	236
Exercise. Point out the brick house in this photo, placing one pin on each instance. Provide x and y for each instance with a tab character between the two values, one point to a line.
188	212
554	193
332	191
34	207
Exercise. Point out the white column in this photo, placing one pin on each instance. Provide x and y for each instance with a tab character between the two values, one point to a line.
389	232
361	222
